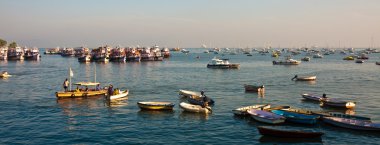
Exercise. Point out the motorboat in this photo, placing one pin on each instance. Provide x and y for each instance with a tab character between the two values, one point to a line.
222	64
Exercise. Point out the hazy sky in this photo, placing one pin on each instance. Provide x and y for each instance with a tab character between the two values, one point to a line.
190	23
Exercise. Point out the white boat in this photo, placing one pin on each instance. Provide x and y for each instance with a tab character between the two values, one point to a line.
243	110
185	51
304	78
222	64
287	61
266	117
187	93
123	94
317	55
195	108
5	74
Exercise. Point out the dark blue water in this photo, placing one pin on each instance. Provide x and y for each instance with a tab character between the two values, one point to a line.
31	114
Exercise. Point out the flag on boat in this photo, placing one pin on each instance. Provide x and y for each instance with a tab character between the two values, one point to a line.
71	73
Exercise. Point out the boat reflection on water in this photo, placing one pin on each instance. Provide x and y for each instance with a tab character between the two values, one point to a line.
77	108
116	103
279	140
156	114
193	116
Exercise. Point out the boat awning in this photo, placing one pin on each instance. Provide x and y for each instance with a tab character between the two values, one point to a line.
86	84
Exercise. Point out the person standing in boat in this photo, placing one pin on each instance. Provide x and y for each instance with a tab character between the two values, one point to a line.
66	84
110	90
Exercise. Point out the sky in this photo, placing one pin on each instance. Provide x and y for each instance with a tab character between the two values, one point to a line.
191	23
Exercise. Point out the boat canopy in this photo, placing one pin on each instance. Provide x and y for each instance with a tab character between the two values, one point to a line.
86	84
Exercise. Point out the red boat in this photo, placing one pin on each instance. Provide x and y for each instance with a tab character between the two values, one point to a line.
288	133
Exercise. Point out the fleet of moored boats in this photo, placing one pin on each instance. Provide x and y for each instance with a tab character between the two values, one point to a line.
194	101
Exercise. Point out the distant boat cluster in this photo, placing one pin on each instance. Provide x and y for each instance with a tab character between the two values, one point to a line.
117	54
19	53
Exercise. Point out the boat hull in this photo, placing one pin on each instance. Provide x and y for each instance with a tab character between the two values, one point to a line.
288	133
352	124
74	94
242	111
118	96
296	117
223	66
253	88
194	108
155	105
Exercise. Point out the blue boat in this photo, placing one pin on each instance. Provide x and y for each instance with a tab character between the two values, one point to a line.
198	101
296	117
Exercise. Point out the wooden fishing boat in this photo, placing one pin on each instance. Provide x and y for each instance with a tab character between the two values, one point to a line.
84	58
297	117
288	133
332	102
352	123
242	111
81	93
156	105
195	108
266	117
304	78
123	94
187	93
254	88
197	100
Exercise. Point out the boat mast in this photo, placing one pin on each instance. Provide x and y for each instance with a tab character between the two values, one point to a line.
95	73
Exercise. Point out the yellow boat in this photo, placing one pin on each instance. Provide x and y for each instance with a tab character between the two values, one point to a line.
156	105
81	93
349	58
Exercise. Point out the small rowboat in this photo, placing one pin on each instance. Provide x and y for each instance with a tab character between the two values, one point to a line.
187	93
156	105
242	111
348	116
266	117
288	133
254	88
195	108
305	78
352	123
311	97
337	103
296	117
118	96
306	59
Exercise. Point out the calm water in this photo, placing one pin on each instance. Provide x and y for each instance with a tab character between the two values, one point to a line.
31	114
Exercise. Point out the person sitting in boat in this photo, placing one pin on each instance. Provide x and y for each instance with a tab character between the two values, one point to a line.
324	96
295	77
77	89
86	89
204	99
98	87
